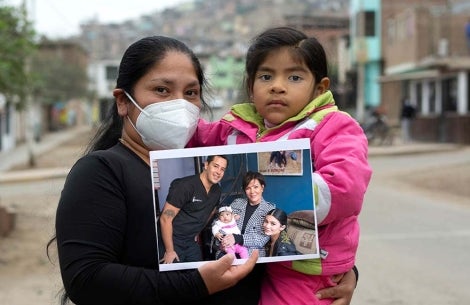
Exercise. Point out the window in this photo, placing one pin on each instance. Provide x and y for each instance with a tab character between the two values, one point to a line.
391	28
449	95
111	72
419	97
221	74
365	24
369	25
432	97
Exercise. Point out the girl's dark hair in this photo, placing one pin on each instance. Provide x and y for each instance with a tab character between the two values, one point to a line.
303	49
250	176
137	60
279	215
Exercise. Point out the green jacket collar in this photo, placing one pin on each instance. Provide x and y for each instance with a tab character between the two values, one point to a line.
247	111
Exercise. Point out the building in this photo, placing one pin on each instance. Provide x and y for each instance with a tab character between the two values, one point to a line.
7	126
57	99
225	75
426	60
366	55
62	65
103	75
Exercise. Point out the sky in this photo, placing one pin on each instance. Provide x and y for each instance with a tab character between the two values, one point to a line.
62	18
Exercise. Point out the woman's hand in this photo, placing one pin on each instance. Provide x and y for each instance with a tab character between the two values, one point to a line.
220	274
343	292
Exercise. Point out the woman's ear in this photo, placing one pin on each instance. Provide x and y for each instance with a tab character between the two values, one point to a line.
283	227
121	101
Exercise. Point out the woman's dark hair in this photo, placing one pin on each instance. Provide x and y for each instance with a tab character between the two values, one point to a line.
304	50
137	60
279	215
250	176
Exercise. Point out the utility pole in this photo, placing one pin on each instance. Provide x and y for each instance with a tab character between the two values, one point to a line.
361	58
30	115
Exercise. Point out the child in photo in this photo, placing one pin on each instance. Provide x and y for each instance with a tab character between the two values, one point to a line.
226	224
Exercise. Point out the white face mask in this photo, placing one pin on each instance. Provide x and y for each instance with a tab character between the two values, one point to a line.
166	125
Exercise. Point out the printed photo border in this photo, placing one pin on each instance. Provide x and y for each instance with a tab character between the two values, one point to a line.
291	192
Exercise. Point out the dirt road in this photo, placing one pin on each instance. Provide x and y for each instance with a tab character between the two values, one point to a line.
27	276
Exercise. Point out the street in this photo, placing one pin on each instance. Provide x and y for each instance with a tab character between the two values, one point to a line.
26	274
415	236
415	242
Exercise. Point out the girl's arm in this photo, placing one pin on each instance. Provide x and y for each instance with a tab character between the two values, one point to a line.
342	172
209	134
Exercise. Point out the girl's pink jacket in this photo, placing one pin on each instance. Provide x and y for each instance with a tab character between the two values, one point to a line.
341	170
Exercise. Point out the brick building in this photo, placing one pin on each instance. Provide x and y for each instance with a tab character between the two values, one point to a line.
426	60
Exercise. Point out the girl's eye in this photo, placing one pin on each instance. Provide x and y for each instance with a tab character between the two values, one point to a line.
295	78
265	77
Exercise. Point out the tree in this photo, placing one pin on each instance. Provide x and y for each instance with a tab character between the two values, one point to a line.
16	47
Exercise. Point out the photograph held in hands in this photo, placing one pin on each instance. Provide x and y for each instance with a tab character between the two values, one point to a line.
234	199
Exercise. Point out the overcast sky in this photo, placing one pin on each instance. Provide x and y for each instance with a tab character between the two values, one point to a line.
62	18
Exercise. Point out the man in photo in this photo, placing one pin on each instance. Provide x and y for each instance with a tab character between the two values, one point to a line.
190	203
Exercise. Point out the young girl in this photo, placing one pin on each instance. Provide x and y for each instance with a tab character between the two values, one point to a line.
275	226
287	82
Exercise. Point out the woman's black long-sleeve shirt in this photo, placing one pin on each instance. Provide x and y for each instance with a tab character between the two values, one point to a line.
106	236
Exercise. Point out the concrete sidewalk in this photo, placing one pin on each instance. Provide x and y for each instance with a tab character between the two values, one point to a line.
412	148
20	155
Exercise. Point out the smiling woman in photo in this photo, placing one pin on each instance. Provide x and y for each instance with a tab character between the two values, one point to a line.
275	226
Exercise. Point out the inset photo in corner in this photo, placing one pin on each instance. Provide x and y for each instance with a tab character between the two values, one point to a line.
280	162
210	201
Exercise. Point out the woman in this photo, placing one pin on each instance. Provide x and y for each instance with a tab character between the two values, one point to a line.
105	222
251	211
275	226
